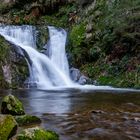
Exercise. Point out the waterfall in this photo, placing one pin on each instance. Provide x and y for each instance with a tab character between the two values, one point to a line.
57	52
45	71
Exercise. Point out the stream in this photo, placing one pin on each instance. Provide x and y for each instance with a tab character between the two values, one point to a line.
82	114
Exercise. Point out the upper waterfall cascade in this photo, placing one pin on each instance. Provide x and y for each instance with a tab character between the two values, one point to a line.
45	71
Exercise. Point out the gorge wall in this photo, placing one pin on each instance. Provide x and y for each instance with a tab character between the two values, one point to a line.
104	36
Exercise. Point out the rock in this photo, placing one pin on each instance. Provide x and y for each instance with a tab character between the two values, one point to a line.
78	77
75	74
13	66
83	80
11	105
27	120
8	127
97	111
37	133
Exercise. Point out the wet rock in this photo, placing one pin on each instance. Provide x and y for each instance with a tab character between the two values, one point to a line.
83	80
78	77
27	120
8	127
75	74
37	133
136	119
11	105
97	111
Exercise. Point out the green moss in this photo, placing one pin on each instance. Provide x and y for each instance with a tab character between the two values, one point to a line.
4	58
27	120
37	134
4	50
11	105
8	127
77	34
77	45
128	80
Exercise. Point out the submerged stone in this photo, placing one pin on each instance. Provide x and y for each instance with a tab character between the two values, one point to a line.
37	133
11	105
8	127
27	120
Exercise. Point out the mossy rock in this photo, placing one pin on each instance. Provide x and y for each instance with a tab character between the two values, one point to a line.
13	62
27	120
37	134
11	105
8	127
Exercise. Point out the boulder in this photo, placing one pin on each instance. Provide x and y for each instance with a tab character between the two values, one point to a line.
27	120
37	133
8	127
11	105
78	77
75	74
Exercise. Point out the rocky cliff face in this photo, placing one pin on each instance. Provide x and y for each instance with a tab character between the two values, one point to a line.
13	68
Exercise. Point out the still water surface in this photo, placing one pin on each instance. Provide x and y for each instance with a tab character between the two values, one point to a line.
84	115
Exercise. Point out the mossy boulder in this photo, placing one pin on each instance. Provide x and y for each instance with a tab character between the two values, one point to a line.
8	127
27	120
37	134
11	105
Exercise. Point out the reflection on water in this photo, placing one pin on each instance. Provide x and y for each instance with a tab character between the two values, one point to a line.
85	115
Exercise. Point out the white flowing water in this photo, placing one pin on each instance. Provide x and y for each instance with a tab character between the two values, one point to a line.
57	53
45	71
24	35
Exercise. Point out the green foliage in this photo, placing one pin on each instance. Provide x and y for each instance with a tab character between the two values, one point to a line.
109	17
37	134
61	18
21	17
77	45
114	74
94	53
128	80
112	52
77	34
